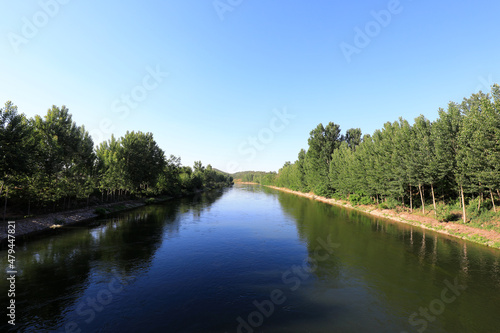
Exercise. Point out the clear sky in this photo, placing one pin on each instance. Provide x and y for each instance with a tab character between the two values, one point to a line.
239	84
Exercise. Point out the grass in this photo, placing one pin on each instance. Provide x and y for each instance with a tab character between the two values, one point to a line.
118	208
478	239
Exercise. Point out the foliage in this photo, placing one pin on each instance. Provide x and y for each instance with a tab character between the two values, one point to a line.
454	160
50	163
359	198
150	201
100	211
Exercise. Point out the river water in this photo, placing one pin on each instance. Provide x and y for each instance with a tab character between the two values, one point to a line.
252	259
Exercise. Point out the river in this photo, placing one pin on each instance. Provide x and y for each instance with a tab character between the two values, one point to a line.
252	259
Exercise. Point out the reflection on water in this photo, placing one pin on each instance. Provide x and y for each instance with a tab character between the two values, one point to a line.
215	262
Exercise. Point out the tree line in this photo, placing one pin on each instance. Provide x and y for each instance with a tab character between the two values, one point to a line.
50	163
452	161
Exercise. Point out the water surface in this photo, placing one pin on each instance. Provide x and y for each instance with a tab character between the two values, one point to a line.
252	259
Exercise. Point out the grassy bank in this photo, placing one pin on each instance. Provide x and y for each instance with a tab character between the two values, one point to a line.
475	232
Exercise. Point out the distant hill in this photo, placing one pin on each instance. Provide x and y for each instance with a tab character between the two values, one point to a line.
251	176
223	172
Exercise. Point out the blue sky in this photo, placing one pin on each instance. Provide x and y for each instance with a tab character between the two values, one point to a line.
239	84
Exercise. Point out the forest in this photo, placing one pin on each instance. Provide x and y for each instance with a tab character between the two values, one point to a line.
49	163
449	167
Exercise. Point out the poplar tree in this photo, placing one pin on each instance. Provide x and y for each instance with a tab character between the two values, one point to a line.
322	143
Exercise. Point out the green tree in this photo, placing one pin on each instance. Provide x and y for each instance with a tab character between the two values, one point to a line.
15	145
445	132
142	158
479	154
421	157
353	137
65	154
322	143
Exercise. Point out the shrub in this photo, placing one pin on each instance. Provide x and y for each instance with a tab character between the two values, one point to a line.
354	199
382	205
100	211
359	198
391	203
473	212
365	200
443	213
150	201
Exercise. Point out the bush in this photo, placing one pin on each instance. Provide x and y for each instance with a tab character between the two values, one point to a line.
443	213
365	200
336	195
100	211
383	205
472	211
150	201
391	203
354	199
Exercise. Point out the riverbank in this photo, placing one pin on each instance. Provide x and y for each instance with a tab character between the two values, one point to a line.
48	222
485	237
41	224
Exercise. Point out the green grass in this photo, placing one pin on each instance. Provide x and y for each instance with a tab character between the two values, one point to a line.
439	227
479	239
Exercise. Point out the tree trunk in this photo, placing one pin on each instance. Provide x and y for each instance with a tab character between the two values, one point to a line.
479	203
411	200
493	201
463	204
433	200
1	188
29	206
421	198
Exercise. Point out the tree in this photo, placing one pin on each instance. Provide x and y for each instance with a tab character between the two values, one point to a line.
143	160
110	167
420	159
301	172
353	137
479	155
15	145
169	180
322	143
445	138
65	154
